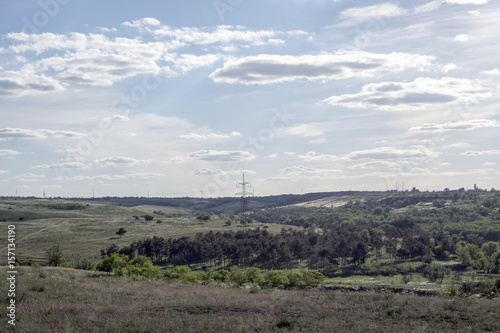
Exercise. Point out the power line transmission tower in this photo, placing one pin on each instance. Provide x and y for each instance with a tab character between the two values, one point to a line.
244	200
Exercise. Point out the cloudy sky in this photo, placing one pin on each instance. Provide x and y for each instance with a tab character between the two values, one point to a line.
179	98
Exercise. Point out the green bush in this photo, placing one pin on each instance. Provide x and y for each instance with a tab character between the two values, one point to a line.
275	279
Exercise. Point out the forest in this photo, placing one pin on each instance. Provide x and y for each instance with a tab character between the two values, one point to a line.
458	224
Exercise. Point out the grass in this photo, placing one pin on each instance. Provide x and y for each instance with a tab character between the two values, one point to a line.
82	233
68	300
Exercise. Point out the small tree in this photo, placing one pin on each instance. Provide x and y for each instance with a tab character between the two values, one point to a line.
54	256
121	232
148	217
113	263
436	272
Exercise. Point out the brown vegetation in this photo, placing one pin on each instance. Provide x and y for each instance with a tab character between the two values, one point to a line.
66	300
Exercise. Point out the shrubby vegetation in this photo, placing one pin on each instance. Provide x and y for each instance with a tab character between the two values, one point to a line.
142	267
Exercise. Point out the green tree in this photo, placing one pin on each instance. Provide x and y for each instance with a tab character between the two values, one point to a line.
275	279
436	272
489	248
142	266
482	264
113	263
121	232
54	256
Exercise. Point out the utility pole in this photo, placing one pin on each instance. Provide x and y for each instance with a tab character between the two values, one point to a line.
244	200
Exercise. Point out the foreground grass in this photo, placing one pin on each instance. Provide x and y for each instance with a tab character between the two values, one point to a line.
68	300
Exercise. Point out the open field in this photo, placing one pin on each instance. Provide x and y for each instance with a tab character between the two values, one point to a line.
83	232
68	300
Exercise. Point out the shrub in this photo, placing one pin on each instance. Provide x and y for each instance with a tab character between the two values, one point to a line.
113	263
275	279
54	256
436	272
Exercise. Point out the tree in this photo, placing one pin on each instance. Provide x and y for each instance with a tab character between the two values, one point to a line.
142	266
113	263
148	217
436	272
489	248
121	232
54	256
360	253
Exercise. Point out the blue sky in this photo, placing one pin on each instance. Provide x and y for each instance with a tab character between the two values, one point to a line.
179	98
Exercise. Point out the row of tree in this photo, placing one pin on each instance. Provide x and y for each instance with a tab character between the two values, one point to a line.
337	245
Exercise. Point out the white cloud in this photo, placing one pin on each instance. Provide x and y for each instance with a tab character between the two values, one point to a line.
357	15
480	152
210	136
105	29
467	2
415	152
22	133
427	7
375	165
119	161
462	38
317	141
222	155
309	172
206	172
494	71
221	34
143	175
305	130
147	21
210	172
312	156
26	82
27	178
268	68
456	145
449	67
117	117
419	94
65	165
188	62
464	125
92	59
8	152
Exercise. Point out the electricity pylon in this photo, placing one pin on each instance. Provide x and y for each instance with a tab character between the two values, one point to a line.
244	200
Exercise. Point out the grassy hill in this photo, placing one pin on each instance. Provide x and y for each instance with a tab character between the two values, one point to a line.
83	228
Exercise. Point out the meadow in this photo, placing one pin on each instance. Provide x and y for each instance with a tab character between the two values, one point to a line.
67	300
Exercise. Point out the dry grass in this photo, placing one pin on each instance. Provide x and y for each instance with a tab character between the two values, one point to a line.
67	300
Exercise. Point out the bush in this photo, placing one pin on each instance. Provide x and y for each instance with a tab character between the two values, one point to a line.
54	256
113	263
275	279
85	264
436	272
237	276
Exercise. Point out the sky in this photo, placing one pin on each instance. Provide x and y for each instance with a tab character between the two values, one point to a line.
181	98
